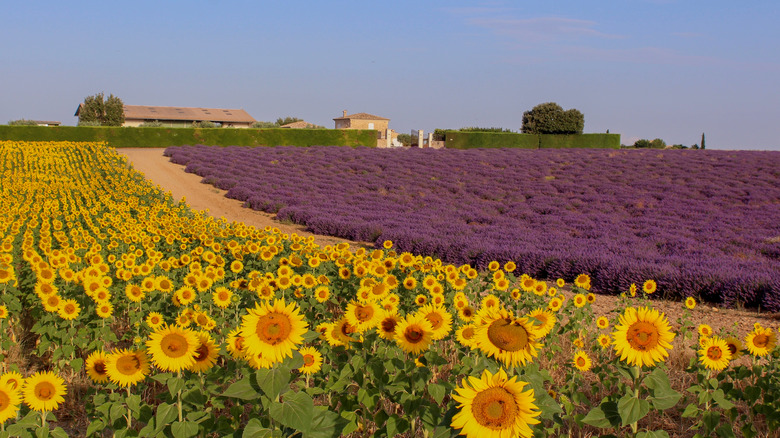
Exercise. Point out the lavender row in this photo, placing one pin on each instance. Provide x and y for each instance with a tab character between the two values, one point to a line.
701	223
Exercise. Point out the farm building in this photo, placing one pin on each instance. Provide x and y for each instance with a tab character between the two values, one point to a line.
174	116
368	121
299	125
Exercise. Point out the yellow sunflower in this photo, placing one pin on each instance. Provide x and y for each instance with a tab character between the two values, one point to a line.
761	341
580	300
134	293
510	340
96	366
10	400
44	391
13	379
273	330
490	301
466	313
322	293
3	312
582	281
312	360
704	330
386	327
154	320
582	361
735	347
560	282
604	341
465	335
420	300
642	336
185	295
690	302
414	334
544	321
221	297
104	309
555	304
235	344
715	354
363	316
440	319
602	322
206	353
339	333
494	406
69	309
649	287
172	348
632	290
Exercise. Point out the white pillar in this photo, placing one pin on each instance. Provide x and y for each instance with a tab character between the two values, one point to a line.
420	138
430	139
389	139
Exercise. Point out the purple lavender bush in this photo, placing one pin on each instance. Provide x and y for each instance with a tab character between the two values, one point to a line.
701	223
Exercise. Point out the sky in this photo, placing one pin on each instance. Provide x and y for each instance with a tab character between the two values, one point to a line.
640	68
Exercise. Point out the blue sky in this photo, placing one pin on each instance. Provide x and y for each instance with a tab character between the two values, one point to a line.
641	68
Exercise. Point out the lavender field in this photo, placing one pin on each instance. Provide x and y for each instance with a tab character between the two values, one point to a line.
701	223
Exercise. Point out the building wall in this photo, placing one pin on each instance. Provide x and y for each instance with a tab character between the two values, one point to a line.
181	123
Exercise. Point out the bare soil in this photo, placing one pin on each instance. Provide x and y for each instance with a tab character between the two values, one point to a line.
171	177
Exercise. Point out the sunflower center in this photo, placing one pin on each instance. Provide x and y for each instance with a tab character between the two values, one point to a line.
414	334
507	336
174	345
273	328
128	365
494	408
642	336
201	353
435	319
388	325
581	361
5	401
714	353
732	348
308	360
100	368
761	341
468	332
44	391
364	313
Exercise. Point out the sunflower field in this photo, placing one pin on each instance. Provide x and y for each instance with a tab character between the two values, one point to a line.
126	313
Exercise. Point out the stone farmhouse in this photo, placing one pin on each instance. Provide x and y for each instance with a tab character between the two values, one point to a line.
175	116
385	137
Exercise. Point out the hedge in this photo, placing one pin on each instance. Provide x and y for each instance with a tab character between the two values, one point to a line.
124	137
473	139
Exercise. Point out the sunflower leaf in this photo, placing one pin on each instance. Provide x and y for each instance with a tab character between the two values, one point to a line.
273	381
184	429
242	389
255	429
295	411
632	409
720	398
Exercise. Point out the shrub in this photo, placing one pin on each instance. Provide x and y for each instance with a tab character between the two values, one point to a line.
23	122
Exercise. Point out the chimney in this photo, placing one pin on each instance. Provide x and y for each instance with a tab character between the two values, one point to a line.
345	113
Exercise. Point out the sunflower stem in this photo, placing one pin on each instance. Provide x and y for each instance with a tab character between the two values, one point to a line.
178	400
43	419
129	412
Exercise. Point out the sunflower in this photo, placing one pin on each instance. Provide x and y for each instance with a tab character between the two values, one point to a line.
96	366
420	300
490	301
510	340
544	320
414	333
581	361
760	341
364	316
154	320
69	309
602	322
466	313
3	312
44	391
582	281
465	335
642	336
580	300
235	344
221	297
632	290
273	330
322	293
440	319
604	341
527	283
494	266
386	327
540	288
690	302
560	282
704	330
134	293
555	304
104	309
494	406
13	379
10	399
206	353
185	295
312	360
172	348
735	347
649	287
715	354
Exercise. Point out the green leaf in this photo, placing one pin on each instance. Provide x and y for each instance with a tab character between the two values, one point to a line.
632	409
396	425
255	429
184	429
116	412
368	398
95	426
720	398
242	389
310	336
725	431
352	422
59	432
273	381
710	419
134	403
175	385
166	413
653	434
76	364
324	424
295	411
443	432
437	391
42	432
691	411
603	416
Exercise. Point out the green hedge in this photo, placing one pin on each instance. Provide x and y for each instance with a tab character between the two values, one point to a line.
125	137
472	139
479	139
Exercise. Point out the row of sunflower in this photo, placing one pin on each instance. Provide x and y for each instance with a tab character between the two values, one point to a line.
146	318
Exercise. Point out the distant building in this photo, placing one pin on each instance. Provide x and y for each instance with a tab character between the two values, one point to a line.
299	125
46	123
175	116
367	121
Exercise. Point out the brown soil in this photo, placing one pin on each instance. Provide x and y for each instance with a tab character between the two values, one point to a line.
171	178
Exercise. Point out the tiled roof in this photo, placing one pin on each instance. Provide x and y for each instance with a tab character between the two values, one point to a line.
298	124
361	116
142	112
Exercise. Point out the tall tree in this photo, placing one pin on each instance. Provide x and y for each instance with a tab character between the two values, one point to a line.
550	118
702	140
106	112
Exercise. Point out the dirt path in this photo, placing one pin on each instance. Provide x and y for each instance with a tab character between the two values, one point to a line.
171	177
